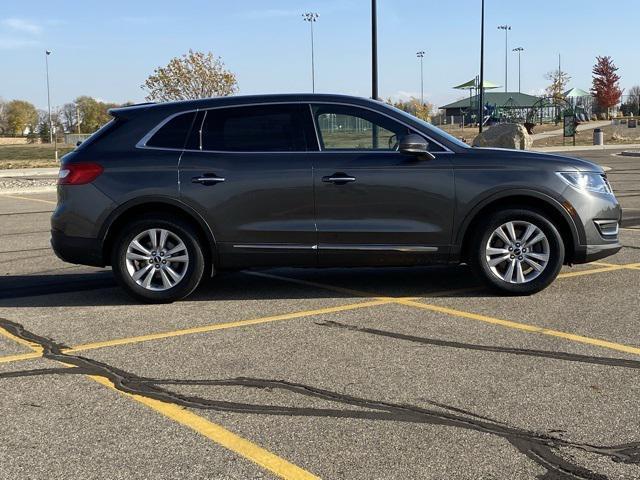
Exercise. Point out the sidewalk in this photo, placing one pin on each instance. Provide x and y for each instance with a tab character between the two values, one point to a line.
581	128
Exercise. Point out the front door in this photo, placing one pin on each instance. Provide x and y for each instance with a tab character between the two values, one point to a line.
375	205
247	171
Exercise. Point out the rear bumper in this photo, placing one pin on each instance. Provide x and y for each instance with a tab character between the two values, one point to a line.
591	253
79	250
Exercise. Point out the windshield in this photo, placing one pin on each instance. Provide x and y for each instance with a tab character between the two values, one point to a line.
435	130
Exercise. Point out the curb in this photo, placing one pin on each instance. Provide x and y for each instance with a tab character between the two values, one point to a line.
28	172
25	191
630	153
584	148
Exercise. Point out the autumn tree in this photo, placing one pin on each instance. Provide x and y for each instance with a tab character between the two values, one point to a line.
415	107
21	116
93	113
606	83
194	75
559	82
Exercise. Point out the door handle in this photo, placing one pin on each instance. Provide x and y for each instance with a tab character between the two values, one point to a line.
208	179
339	178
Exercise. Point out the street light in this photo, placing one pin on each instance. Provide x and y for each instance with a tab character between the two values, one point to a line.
506	29
46	61
311	17
481	99
519	50
420	55
374	51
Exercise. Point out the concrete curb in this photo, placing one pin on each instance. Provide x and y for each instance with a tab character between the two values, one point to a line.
26	191
585	148
29	172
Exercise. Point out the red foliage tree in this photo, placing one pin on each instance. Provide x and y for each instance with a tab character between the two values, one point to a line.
606	86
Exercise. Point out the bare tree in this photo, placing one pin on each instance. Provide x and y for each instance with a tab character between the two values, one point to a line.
194	75
559	81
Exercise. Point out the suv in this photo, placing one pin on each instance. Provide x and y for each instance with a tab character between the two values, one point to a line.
170	193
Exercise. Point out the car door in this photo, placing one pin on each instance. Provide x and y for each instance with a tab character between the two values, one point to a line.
375	205
247	170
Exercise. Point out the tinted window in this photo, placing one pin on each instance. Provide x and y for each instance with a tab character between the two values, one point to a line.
267	128
173	133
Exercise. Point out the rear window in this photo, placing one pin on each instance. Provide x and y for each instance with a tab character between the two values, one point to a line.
265	128
173	134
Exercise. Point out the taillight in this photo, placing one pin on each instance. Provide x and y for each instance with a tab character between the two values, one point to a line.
79	173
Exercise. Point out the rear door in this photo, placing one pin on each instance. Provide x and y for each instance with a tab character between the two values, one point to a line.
247	170
375	205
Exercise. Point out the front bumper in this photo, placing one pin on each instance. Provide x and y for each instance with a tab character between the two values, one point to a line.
591	253
79	250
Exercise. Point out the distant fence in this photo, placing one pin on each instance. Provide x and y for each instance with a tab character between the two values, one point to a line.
74	138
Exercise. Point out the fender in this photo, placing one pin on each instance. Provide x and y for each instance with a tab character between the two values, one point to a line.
577	233
122	209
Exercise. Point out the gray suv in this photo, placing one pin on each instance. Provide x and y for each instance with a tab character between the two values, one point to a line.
170	193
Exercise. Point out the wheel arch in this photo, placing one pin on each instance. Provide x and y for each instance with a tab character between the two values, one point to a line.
165	205
560	215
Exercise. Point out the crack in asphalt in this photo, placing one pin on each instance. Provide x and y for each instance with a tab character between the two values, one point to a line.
541	448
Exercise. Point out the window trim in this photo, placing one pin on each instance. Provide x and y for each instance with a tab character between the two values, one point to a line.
142	143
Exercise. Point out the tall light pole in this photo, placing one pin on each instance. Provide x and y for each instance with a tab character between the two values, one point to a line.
481	99
519	50
46	61
420	55
374	50
312	17
506	29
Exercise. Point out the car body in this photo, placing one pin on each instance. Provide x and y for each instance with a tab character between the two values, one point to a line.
316	180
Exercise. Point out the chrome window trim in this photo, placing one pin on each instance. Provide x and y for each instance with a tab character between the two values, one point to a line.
142	144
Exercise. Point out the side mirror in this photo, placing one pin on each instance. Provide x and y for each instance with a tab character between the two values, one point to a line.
413	144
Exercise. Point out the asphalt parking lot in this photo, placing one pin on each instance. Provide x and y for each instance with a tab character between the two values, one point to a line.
335	374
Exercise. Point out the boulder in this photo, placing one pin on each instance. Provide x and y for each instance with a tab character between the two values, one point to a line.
505	135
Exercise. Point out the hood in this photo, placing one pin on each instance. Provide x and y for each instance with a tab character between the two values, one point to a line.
557	161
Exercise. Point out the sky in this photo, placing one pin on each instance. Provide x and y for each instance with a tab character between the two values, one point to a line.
107	49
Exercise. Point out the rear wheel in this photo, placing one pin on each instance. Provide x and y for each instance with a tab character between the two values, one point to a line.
158	260
517	251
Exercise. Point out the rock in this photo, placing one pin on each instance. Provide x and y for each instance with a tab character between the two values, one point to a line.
505	135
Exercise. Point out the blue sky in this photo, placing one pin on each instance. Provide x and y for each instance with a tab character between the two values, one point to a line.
107	49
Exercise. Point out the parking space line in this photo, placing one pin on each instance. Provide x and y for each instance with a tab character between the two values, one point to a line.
483	318
193	330
218	434
18	197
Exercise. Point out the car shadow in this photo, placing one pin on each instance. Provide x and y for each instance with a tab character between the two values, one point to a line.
99	288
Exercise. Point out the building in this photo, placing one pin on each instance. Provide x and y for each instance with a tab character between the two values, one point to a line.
499	106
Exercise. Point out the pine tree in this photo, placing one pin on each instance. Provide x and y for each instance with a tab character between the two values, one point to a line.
606	83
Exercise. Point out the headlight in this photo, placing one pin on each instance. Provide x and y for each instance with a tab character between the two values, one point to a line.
587	181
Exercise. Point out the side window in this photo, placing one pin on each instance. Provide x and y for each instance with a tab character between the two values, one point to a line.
262	128
352	128
173	134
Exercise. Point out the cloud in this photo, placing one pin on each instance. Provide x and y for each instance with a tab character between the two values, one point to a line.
22	25
14	43
272	13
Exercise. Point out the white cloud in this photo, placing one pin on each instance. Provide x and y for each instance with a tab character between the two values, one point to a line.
14	43
22	25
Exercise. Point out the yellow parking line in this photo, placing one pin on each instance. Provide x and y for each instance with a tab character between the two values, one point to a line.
484	318
591	271
219	435
188	331
210	430
19	197
25	343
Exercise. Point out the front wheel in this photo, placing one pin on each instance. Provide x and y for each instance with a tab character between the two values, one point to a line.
519	252
158	260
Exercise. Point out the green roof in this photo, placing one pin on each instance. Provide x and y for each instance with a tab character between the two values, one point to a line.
513	99
576	93
471	85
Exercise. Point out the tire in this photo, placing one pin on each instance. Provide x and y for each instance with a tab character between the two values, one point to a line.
172	273
507	264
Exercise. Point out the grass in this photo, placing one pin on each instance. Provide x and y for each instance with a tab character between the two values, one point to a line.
613	135
30	156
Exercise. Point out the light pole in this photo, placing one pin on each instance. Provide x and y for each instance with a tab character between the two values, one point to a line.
46	61
506	29
481	99
374	50
312	17
420	55
519	50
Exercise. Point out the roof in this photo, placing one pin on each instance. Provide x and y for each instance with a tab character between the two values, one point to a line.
471	85
576	92
497	98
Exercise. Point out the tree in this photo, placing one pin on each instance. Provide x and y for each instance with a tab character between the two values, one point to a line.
3	116
194	75
414	107
69	117
22	117
606	83
559	81
93	113
632	105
